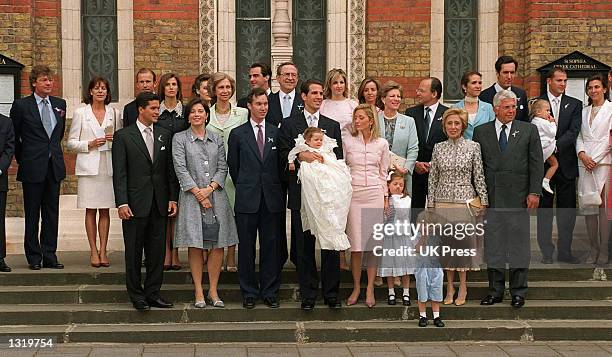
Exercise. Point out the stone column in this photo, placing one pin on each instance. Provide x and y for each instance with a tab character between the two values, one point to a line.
282	50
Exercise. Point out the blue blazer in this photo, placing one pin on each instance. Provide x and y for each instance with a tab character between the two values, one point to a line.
255	179
485	114
405	142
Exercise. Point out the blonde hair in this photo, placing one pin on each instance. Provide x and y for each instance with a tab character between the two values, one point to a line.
214	80
463	115
536	106
331	76
370	111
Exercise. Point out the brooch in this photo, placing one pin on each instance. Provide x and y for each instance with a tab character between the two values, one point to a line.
270	140
567	105
160	139
300	107
514	134
60	111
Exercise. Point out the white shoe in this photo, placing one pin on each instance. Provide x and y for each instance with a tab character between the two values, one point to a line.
546	185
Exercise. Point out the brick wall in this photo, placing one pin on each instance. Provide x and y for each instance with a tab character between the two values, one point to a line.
397	43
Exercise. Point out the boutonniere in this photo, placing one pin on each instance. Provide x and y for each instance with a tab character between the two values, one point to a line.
514	134
270	140
300	107
162	148
566	105
61	112
402	126
160	139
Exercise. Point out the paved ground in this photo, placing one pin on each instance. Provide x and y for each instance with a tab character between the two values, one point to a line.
475	349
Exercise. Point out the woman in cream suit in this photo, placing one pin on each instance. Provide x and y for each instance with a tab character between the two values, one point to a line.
593	149
479	112
223	118
91	135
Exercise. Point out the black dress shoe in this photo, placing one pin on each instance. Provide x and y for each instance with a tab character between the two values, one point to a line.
438	322
517	301
248	303
3	267
391	300
332	303
34	266
271	302
547	260
423	322
568	259
55	265
490	300
307	304
141	305
160	303
406	300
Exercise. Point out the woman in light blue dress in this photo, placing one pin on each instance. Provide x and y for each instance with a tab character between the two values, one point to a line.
479	112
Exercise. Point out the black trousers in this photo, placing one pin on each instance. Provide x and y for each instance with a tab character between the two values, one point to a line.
267	224
566	217
41	200
2	225
307	265
148	233
284	252
507	240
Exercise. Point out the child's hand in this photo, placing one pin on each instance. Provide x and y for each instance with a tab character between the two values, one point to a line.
291	166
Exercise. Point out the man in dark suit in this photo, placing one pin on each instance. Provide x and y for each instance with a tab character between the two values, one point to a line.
505	69
146	191
253	162
39	121
513	167
568	115
145	82
7	149
427	117
260	76
312	95
286	102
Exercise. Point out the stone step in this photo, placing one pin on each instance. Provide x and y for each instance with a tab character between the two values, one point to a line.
87	294
320	331
59	314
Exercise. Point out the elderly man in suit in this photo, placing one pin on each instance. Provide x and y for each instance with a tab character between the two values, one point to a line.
253	161
427	117
514	167
505	70
260	76
312	95
146	191
568	115
286	102
39	121
145	82
7	149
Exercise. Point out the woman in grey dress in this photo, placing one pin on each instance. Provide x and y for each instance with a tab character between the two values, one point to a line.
206	220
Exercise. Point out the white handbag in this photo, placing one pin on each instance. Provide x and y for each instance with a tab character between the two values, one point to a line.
590	198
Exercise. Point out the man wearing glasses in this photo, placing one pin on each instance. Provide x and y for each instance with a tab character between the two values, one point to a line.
285	102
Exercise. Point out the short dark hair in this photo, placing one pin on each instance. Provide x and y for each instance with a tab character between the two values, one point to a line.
143	99
88	98
305	87
163	80
280	66
597	77
436	86
191	104
265	70
39	71
505	60
204	77
144	70
255	92
551	72
466	78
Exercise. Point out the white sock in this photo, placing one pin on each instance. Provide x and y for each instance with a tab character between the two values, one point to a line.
406	292
423	314
436	314
392	291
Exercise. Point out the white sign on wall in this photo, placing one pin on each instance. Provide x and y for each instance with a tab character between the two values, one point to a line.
7	93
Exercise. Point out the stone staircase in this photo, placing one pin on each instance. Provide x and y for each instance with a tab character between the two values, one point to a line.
84	304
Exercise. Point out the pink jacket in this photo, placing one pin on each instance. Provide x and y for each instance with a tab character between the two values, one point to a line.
369	162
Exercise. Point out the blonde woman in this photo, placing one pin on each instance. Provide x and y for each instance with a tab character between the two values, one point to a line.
336	104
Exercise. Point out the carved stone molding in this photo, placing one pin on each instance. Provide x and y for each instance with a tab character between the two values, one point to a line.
357	44
208	41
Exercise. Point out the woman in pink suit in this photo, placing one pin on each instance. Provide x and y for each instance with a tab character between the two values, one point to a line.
367	156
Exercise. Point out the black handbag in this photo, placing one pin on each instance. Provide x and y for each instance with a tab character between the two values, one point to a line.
210	225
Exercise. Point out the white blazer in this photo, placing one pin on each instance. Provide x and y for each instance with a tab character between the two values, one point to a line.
594	141
82	130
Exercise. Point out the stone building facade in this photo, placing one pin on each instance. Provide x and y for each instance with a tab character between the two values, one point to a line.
401	40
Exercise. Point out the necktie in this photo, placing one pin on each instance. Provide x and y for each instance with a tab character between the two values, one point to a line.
286	106
555	105
427	123
260	141
149	141
311	121
503	139
46	118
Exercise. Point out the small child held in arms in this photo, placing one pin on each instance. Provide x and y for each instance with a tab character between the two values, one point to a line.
397	266
326	190
547	127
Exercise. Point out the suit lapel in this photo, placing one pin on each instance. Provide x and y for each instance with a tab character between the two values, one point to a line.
58	118
435	123
251	141
35	113
298	106
139	141
269	141
513	136
158	141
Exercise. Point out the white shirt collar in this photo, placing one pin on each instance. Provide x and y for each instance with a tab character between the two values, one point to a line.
142	127
551	96
307	114
178	109
40	99
499	88
498	127
254	124
433	108
283	94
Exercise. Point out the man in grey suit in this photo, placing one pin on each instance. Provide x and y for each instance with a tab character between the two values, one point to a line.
514	168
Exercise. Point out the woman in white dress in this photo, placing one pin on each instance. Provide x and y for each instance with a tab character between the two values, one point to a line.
91	135
593	150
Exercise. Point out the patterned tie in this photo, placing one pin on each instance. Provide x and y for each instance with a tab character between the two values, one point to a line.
260	141
286	105
427	123
503	139
46	118
555	108
149	141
